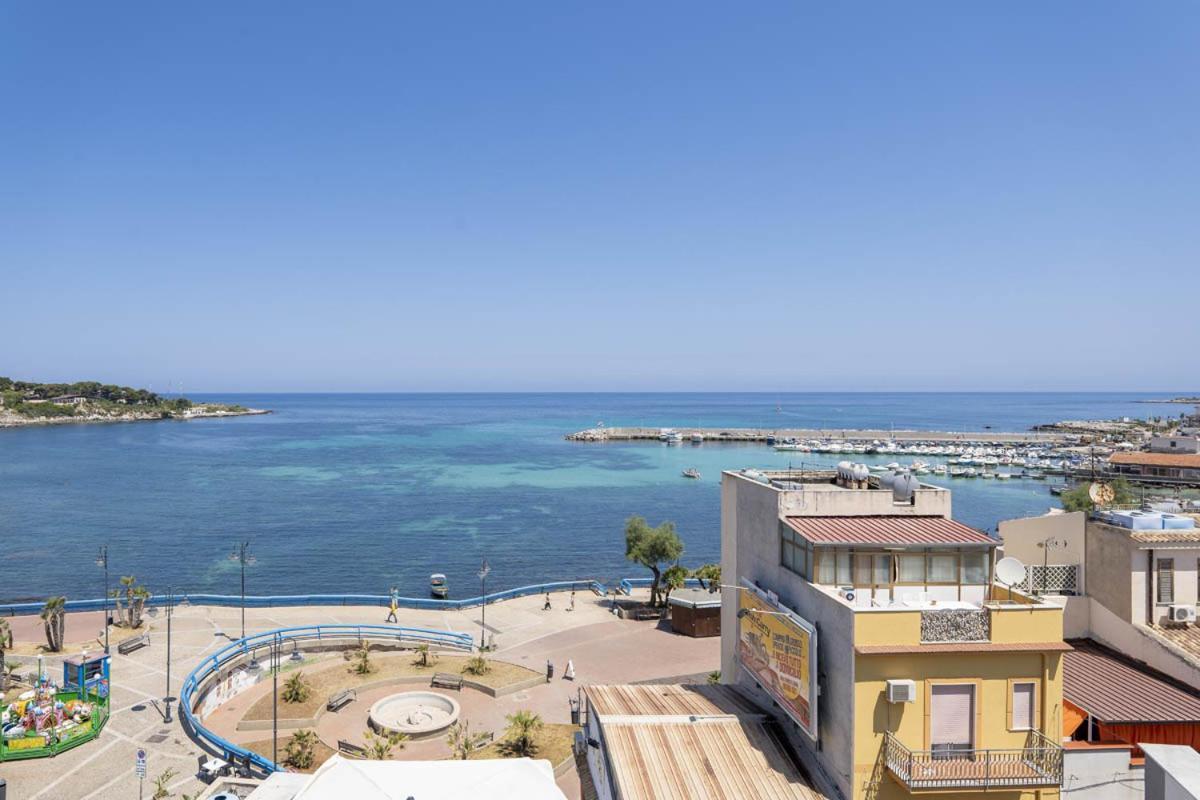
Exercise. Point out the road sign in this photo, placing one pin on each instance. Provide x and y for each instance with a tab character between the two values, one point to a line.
140	763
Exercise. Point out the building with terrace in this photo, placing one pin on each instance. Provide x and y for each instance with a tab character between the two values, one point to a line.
866	620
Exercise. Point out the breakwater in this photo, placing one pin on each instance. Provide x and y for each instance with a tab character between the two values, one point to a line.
619	434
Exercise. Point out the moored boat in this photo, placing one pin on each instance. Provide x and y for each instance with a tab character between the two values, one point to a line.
437	585
691	473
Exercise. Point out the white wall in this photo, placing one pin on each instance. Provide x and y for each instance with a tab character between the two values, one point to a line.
1136	643
1021	538
1101	774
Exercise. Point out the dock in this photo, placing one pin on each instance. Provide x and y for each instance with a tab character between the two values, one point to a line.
750	435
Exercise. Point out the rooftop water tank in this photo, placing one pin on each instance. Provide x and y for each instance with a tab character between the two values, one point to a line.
1174	522
903	487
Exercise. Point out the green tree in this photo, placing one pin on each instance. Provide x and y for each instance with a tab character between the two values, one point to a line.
462	742
362	659
301	749
424	656
6	641
296	689
709	576
54	617
673	578
653	548
1079	498
522	728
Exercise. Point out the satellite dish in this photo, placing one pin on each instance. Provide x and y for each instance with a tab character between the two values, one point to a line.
1101	493
1010	571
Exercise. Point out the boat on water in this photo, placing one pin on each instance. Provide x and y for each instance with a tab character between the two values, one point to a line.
437	585
987	474
970	472
674	437
1003	476
697	438
957	472
940	469
691	473
791	447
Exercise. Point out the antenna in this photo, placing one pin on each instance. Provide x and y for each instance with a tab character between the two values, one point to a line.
1101	494
1010	572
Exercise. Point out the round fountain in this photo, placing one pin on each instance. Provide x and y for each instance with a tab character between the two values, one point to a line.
414	713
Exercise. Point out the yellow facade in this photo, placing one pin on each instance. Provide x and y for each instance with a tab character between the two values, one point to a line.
880	638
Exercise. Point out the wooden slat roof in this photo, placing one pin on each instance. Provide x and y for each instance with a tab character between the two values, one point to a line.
711	759
1157	459
660	700
1113	688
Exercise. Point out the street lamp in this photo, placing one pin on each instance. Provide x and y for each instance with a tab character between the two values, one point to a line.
102	561
484	569
170	607
275	699
241	554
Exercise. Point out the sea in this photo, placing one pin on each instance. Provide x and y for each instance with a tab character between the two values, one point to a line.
355	493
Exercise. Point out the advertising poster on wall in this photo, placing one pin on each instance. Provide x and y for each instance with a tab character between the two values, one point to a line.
779	650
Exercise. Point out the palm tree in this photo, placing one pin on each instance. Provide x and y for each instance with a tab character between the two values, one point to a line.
362	659
379	747
296	689
424	656
53	619
135	596
301	749
462	742
6	641
521	729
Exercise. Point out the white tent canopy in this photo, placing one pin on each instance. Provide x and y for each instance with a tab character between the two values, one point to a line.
341	778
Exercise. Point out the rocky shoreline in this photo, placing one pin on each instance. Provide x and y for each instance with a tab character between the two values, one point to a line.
10	419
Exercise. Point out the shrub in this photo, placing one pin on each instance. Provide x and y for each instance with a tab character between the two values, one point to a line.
477	665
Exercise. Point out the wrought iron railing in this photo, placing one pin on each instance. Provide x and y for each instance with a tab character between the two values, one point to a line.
1038	763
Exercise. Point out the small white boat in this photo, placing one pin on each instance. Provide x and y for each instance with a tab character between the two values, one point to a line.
674	437
697	438
1003	476
940	469
692	473
437	585
970	472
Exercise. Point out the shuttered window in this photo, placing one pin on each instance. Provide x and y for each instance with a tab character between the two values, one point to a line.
1022	706
1166	580
952	716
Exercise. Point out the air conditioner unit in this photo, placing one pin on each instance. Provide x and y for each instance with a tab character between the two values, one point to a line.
847	593
1183	614
901	691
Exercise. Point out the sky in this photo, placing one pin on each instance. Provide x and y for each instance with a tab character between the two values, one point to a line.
537	196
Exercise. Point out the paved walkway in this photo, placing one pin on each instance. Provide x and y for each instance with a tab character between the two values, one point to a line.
603	648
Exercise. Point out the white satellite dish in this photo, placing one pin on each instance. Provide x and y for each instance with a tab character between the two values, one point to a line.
1101	494
1010	571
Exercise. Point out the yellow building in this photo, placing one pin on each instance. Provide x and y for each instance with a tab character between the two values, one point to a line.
868	621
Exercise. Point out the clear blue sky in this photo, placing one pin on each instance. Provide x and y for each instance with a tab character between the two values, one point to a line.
619	195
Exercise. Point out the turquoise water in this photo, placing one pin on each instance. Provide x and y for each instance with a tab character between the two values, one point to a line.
351	493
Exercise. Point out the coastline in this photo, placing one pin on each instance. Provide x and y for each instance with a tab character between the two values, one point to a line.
11	420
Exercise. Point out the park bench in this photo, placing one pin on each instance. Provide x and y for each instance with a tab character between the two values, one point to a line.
644	613
129	645
351	749
340	699
446	680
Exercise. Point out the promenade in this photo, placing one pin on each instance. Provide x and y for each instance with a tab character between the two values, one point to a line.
602	647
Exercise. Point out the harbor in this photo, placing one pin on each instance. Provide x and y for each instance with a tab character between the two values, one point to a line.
601	433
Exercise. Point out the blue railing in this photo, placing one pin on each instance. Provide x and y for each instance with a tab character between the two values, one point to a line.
241	648
271	601
627	585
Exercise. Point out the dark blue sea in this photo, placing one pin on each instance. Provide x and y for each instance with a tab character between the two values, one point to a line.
352	493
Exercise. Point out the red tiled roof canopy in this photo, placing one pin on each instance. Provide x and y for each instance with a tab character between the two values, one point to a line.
887	531
1113	688
1157	459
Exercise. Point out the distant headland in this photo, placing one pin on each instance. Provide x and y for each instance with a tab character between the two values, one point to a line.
29	403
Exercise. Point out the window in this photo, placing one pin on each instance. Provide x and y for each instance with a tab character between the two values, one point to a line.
862	570
793	552
843	568
974	568
826	567
951	719
1024	696
1166	580
883	570
943	568
910	568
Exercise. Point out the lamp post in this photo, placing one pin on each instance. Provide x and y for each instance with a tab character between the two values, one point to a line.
241	554
484	569
1046	544
102	561
170	606
275	699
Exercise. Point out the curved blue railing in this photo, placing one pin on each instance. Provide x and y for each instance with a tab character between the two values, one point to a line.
627	585
272	601
243	647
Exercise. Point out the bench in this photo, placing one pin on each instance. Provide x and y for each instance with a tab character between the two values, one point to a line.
351	749
446	680
340	699
129	645
647	613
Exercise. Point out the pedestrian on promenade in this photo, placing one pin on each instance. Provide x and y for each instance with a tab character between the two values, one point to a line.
549	670
572	608
569	673
394	604
546	607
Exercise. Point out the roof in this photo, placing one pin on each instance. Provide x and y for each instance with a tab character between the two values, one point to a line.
1166	536
695	598
340	778
711	759
887	531
1186	639
666	699
1157	459
1114	688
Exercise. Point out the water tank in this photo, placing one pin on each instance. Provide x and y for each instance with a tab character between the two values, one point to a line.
861	472
903	487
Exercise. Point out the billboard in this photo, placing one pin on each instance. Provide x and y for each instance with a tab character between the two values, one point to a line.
779	650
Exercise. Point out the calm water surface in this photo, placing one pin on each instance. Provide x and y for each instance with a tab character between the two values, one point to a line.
351	493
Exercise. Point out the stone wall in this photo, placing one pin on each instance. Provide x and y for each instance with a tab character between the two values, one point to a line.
955	625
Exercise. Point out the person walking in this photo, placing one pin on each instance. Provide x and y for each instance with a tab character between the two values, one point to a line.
394	604
572	606
546	607
569	672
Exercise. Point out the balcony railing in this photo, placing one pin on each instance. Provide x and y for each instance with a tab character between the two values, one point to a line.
1038	763
1051	579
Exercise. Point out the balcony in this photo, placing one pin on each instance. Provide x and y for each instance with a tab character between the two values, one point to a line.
1038	763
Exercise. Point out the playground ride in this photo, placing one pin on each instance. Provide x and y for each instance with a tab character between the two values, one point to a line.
48	719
